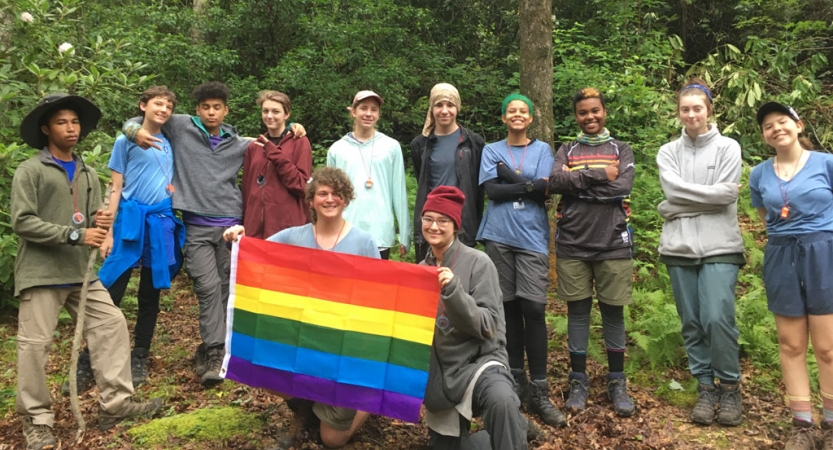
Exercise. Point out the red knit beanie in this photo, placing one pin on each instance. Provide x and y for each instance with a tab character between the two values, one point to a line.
446	200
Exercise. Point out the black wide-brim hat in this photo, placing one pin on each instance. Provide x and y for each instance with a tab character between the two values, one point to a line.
88	114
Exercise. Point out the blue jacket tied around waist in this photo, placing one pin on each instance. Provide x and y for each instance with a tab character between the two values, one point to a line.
128	242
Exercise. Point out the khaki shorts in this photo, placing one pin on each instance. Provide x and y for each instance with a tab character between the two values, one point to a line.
613	279
337	418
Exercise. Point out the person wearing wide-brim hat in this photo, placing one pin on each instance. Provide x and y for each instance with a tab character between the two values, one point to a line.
54	197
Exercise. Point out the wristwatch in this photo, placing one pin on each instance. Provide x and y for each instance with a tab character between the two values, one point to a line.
74	237
529	186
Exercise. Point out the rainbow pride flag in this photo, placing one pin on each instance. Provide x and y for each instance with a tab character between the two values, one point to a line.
340	329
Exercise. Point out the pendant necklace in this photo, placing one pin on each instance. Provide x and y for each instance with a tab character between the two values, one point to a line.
168	176
368	167
315	235
784	187
517	168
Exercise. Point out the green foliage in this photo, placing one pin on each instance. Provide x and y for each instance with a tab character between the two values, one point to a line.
654	327
208	425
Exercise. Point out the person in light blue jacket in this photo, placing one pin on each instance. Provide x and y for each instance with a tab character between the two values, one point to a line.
375	165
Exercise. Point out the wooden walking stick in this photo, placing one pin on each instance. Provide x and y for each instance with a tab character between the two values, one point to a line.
79	331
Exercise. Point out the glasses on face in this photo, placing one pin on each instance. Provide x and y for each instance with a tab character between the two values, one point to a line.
441	222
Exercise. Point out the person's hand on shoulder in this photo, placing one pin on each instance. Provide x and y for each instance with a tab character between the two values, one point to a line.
298	130
146	140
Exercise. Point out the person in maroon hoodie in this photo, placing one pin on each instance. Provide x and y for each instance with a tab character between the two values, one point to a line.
275	172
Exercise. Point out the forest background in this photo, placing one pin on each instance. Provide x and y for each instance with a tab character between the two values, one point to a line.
320	52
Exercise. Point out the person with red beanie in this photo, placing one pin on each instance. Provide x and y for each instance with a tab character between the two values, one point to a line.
469	369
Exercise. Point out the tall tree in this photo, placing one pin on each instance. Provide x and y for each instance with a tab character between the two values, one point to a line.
535	18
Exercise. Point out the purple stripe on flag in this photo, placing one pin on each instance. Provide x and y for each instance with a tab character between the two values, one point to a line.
375	401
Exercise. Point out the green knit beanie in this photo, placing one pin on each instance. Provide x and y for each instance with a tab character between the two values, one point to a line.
516	96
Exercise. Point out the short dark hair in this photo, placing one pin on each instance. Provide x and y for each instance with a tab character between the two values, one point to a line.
48	115
585	93
211	90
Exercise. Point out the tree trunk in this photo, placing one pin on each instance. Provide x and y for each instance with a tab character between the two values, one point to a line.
536	81
196	30
536	63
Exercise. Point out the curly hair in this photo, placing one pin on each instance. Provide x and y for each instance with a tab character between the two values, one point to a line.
157	91
211	90
275	96
585	93
334	178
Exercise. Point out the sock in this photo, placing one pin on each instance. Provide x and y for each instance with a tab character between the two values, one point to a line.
578	362
801	409
616	360
827	406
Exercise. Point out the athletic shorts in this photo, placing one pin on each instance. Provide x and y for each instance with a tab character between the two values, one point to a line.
611	278
798	274
521	273
335	417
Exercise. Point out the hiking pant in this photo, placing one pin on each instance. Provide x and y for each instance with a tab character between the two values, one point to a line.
207	262
705	297
148	297
105	330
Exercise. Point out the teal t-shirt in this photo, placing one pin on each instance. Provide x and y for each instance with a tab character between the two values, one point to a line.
356	242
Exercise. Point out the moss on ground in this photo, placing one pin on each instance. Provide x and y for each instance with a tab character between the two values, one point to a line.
211	425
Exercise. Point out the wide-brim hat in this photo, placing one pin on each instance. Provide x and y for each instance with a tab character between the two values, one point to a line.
88	114
771	107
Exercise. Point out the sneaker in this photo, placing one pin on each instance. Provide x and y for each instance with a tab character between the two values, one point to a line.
38	437
200	360
84	376
540	404
579	391
803	437
213	365
139	366
703	412
521	384
129	409
617	390
827	435
729	409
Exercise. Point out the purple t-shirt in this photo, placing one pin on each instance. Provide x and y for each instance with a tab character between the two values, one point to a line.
208	221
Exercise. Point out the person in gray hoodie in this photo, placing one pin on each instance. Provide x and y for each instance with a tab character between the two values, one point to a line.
468	373
701	246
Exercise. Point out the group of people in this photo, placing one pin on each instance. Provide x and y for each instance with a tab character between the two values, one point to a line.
489	355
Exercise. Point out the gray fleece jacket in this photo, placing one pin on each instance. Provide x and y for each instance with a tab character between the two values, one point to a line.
473	304
700	180
205	179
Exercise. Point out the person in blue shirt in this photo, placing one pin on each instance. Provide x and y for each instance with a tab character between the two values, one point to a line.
515	231
793	193
328	194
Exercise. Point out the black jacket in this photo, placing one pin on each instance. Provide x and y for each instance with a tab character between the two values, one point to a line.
469	151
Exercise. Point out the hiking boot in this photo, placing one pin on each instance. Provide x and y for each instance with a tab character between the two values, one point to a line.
84	376
803	437
579	391
617	390
703	412
139	366
129	409
38	437
533	431
540	404
827	435
213	365
302	417
200	360
729	408
521	384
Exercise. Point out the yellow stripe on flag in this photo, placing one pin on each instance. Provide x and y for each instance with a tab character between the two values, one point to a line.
340	316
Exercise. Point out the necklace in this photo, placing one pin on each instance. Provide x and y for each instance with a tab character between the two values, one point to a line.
517	168
784	187
315	235
168	176
368	168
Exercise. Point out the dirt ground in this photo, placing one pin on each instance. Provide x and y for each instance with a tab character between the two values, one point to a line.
657	423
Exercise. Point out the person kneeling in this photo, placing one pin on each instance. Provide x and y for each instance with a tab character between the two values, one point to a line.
328	193
468	373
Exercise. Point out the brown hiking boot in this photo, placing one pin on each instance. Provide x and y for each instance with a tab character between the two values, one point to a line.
214	364
803	437
704	411
129	409
38	437
729	407
302	418
200	360
84	376
827	435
